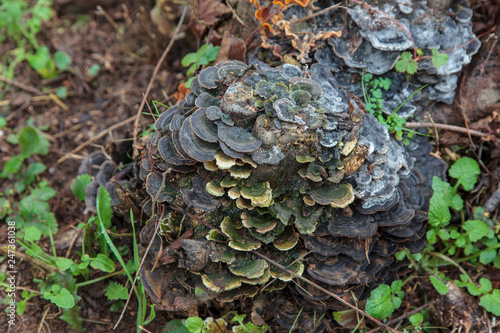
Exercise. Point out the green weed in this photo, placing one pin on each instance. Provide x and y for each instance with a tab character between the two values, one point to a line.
20	23
407	64
25	200
373	89
473	241
384	300
204	56
209	325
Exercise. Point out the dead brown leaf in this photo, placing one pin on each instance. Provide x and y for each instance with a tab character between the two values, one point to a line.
349	319
206	13
231	49
165	256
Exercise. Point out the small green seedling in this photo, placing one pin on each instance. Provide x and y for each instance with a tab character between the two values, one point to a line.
79	185
209	325
373	89
384	300
407	64
477	238
204	56
20	22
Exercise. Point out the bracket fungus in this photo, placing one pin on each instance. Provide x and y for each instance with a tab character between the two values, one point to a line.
370	38
297	172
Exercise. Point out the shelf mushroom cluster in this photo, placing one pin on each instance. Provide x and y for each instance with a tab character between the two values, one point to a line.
279	161
373	38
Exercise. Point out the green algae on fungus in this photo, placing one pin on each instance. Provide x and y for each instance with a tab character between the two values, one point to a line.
260	194
249	267
220	282
239	239
336	196
241	171
307	224
261	222
214	188
287	239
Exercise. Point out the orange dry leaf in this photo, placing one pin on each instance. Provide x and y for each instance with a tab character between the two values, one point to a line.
307	41
286	3
263	14
181	92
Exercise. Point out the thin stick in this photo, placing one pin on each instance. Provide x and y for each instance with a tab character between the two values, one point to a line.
95	138
236	15
316	14
406	315
282	273
69	130
157	227
435	131
150	85
21	85
449	260
395	21
43	320
495	37
73	242
461	45
462	108
326	292
446	127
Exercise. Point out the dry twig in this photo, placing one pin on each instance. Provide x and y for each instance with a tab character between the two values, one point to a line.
95	138
321	12
446	127
21	85
150	85
43	319
236	15
406	315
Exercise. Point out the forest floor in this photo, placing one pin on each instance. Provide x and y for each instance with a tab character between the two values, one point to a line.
120	38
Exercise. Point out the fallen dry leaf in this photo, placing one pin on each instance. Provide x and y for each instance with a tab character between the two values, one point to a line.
231	49
206	13
181	92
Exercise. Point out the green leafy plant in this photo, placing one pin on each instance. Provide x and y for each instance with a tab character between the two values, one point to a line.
104	215
438	59
20	22
373	89
209	325
93	71
408	64
474	241
384	300
25	200
20	304
31	211
204	56
79	185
